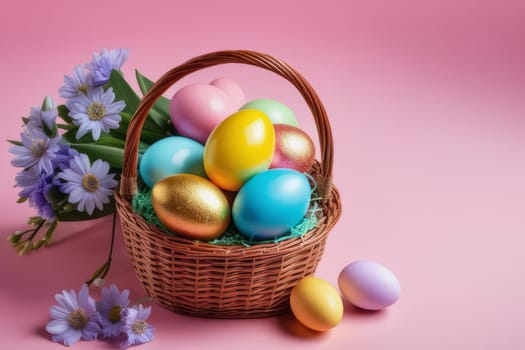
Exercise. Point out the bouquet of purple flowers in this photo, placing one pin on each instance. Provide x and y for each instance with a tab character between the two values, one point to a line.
70	155
70	158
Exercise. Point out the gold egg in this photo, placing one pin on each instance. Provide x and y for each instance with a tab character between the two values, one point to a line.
191	206
293	148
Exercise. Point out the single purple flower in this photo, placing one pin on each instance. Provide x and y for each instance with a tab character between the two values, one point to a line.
40	196
27	180
36	188
88	185
96	111
37	150
102	64
74	318
111	309
77	84
64	154
135	327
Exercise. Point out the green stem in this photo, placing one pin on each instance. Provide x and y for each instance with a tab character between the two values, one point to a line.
103	270
110	255
35	231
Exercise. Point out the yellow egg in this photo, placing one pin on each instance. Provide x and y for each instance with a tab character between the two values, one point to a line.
191	206
316	304
240	147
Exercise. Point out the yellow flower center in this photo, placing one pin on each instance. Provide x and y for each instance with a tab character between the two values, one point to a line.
83	89
38	147
114	314
96	111
138	327
77	319
90	183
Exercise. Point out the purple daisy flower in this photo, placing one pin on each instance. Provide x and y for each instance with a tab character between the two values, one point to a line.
37	150
64	154
102	64
96	111
76	85
111	309
37	188
135	327
74	318
88	185
46	115
27	179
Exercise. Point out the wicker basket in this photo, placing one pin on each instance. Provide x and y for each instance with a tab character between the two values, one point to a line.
207	280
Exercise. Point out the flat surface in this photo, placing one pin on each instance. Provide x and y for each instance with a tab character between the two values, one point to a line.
427	108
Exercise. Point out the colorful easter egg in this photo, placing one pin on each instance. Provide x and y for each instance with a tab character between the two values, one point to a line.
293	149
231	89
275	110
169	156
191	206
369	285
197	109
239	148
316	304
271	203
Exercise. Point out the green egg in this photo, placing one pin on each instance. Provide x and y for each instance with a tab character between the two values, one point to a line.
275	110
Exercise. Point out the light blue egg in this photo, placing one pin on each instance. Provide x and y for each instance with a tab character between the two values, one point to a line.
271	203
169	156
275	110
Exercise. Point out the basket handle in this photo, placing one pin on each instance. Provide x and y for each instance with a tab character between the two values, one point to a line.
128	182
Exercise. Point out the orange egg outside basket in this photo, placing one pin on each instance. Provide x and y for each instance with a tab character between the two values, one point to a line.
219	281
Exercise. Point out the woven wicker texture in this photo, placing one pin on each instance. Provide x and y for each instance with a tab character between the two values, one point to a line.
208	280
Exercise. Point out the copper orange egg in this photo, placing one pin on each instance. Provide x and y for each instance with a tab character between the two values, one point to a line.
293	148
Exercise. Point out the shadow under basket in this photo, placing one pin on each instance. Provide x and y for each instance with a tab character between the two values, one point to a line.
224	281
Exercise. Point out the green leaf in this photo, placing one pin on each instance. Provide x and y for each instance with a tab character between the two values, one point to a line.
63	113
16	143
147	135
143	146
50	132
161	106
144	83
35	220
159	119
123	91
150	136
114	156
65	127
74	215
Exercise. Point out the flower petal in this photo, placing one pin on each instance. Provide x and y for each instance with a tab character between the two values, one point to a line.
90	206
68	300
71	336
57	326
58	312
91	331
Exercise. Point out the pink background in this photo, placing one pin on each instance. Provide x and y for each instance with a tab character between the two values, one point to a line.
427	106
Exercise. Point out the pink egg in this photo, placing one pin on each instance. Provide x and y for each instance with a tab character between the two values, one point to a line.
197	109
293	148
369	285
231	89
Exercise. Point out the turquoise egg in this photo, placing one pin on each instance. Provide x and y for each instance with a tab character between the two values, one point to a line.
275	110
169	156
271	203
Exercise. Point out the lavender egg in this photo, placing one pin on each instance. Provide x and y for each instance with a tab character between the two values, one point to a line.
369	285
